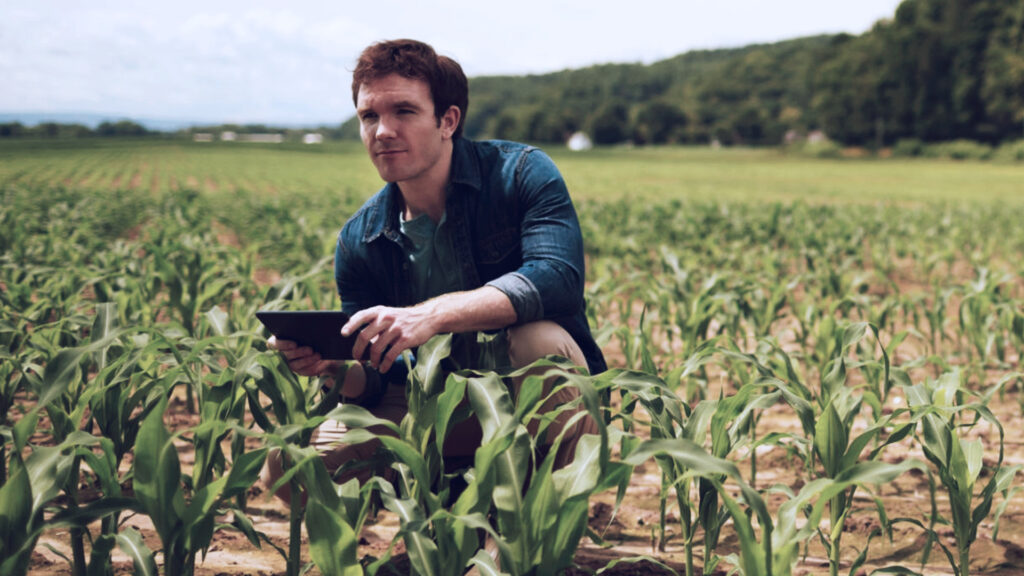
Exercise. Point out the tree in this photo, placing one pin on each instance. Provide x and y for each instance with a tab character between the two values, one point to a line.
121	128
610	124
12	130
659	122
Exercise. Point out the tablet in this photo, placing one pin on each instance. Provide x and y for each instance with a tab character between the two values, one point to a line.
318	329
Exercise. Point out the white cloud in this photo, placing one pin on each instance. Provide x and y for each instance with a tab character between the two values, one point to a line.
271	62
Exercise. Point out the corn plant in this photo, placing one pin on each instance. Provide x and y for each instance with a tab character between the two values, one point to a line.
59	469
535	514
755	557
958	461
979	315
811	503
183	513
335	513
289	419
26	499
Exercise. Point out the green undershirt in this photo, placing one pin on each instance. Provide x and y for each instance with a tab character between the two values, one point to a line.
431	256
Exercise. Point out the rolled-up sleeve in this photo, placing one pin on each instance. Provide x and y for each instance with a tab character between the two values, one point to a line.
549	283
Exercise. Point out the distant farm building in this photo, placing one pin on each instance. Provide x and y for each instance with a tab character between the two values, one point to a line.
228	136
261	138
579	141
313	138
202	137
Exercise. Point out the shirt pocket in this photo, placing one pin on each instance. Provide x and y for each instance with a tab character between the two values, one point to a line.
499	246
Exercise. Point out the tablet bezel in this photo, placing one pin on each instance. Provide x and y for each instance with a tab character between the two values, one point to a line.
318	329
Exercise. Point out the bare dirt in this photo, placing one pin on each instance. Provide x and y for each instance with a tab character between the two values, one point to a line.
630	532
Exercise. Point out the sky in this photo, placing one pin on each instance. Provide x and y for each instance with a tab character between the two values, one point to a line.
275	62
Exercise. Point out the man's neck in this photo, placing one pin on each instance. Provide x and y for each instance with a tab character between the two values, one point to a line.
418	200
427	194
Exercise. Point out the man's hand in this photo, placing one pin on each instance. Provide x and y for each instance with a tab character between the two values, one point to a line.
388	332
302	359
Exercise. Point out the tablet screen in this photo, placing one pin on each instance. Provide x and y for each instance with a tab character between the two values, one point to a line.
318	329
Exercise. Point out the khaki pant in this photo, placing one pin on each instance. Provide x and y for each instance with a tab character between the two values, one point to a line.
526	344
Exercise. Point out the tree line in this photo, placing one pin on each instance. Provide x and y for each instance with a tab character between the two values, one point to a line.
938	70
73	130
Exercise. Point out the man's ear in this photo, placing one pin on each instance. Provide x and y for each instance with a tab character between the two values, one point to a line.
450	121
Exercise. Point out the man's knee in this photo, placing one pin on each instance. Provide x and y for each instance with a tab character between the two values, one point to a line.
530	342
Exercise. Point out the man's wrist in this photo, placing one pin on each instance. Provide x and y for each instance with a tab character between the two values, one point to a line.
351	386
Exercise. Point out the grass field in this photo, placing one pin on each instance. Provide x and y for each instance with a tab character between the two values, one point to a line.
603	174
815	366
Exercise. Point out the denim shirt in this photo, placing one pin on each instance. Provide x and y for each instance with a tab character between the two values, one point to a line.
514	228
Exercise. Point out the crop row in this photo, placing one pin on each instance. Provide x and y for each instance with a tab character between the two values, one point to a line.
882	331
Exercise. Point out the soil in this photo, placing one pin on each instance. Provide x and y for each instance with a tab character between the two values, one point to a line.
630	532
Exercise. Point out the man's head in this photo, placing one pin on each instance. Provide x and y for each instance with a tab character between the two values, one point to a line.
416	60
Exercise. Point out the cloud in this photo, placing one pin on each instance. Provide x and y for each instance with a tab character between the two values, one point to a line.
258	61
216	64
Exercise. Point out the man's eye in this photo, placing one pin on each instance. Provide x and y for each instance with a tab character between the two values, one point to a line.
367	116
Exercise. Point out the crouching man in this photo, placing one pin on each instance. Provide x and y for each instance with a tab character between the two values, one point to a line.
464	237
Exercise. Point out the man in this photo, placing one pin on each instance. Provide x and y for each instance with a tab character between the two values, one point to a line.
465	237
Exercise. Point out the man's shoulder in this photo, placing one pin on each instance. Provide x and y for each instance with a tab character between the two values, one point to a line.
508	159
370	217
500	149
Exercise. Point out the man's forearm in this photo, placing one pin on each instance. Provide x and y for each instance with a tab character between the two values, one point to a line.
485	308
390	331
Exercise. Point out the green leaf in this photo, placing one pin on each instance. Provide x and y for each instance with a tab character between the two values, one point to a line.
244	472
973	453
428	371
492	405
333	544
15	508
355	417
582	475
129	540
423	552
218	319
830	440
157	474
447	403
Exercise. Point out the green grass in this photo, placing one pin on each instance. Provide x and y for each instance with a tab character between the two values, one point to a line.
769	175
602	174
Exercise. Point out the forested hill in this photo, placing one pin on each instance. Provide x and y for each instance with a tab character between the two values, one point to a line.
937	70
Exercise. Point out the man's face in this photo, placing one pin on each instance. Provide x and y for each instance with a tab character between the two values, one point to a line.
398	127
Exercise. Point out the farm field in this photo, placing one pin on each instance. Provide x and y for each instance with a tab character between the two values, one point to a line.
815	369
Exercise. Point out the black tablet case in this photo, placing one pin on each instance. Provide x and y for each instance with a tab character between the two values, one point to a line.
318	329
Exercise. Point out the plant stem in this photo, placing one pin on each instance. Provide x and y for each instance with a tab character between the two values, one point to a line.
965	557
78	565
836	508
295	529
661	511
686	524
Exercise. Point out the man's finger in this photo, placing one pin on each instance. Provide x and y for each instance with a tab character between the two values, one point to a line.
389	358
280	345
295	353
363	339
386	343
358	320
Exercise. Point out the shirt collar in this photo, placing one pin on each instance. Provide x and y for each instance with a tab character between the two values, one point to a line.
383	216
465	168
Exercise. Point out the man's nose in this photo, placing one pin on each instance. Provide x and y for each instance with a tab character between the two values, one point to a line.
385	129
